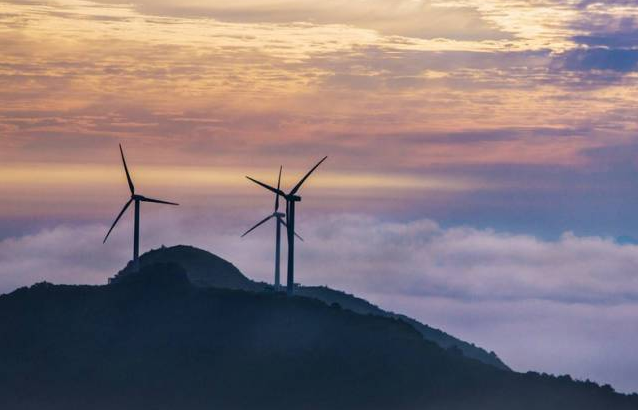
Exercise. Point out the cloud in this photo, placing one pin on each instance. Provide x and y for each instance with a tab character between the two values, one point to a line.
421	258
420	18
565	301
418	258
63	254
243	90
607	38
609	43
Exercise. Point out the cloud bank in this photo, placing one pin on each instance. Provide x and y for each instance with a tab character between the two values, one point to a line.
420	18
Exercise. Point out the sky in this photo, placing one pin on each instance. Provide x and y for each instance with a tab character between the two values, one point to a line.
482	154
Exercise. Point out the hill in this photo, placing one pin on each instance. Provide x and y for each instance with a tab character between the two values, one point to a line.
207	270
203	268
155	341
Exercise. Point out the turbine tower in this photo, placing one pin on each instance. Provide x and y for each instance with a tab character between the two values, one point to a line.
136	199
279	221
291	199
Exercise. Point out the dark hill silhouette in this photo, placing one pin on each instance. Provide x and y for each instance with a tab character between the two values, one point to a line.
437	336
203	268
207	270
155	341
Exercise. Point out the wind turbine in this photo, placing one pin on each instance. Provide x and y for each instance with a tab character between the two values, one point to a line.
279	221
136	199
291	199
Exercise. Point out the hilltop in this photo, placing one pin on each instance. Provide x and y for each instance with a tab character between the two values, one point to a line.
207	270
153	340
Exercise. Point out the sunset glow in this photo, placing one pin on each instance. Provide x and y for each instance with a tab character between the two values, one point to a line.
499	138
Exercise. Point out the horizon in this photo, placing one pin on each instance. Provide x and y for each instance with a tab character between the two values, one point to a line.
482	155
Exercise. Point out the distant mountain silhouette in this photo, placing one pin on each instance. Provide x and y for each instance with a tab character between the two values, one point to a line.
154	341
207	270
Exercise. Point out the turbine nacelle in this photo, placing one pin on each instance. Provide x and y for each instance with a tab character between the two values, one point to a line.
280	216
142	198
292	195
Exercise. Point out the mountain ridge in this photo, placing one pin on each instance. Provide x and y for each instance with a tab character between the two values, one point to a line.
207	269
154	340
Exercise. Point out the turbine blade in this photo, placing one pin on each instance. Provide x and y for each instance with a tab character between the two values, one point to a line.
268	187
296	188
294	233
157	201
128	176
278	188
117	219
258	224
